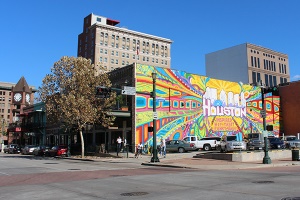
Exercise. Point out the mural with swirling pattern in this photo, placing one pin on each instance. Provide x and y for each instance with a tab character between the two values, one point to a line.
190	104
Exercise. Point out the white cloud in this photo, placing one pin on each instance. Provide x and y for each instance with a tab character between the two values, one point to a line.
295	78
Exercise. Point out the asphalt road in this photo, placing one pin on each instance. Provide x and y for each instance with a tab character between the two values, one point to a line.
27	177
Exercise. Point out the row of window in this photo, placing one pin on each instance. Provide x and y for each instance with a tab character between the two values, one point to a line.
270	80
134	41
134	48
267	55
145	59
115	53
2	110
268	65
3	99
3	93
282	68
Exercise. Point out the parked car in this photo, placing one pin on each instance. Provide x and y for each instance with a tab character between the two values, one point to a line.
255	141
28	149
206	143
5	149
276	143
14	148
59	150
180	146
230	143
291	142
41	150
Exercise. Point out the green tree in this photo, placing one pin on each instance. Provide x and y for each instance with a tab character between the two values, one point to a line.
69	93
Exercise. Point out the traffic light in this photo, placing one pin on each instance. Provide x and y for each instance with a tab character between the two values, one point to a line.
274	90
269	127
103	92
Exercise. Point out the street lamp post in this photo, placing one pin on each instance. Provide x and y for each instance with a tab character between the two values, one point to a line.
154	155
266	159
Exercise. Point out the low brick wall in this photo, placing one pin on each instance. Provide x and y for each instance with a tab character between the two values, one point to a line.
248	156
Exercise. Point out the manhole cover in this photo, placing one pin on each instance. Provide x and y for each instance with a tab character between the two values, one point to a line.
73	169
291	198
134	194
263	182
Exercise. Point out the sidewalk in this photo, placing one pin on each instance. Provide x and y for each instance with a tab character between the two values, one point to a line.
189	160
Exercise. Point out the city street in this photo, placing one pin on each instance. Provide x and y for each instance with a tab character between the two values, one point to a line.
28	177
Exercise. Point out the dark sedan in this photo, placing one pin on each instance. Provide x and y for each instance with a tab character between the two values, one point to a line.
276	143
179	146
60	150
41	150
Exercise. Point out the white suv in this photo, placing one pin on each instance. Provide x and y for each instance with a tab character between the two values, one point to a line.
230	143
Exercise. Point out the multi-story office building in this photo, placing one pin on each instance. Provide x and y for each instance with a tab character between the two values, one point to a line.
248	63
5	101
113	47
13	98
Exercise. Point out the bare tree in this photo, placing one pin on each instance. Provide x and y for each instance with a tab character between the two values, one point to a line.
69	93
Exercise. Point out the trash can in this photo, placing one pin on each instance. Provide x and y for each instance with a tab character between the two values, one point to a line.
295	155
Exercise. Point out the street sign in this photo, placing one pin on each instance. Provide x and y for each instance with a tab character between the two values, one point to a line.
263	113
128	92
155	115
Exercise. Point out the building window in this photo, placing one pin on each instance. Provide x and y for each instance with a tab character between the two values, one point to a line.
117	37
105	59
258	77
106	35
258	62
279	68
101	50
113	37
117	61
253	77
123	39
102	34
117	45
105	51
267	79
117	53
271	80
105	43
123	55
127	55
112	53
274	81
285	69
100	59
112	61
98	19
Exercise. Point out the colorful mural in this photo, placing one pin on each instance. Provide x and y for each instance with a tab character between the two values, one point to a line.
190	104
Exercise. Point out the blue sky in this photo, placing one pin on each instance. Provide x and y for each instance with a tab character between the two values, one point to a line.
35	34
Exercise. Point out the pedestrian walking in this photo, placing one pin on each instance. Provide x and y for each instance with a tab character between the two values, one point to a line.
163	149
119	143
139	150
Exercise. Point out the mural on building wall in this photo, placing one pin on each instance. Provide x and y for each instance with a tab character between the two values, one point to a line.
190	104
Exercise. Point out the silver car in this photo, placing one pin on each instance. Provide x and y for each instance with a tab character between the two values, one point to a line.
230	143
